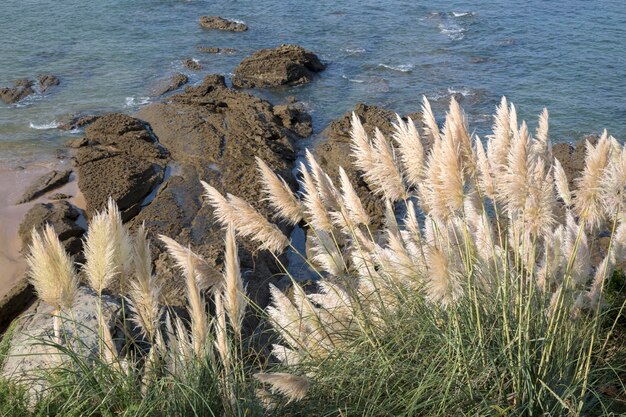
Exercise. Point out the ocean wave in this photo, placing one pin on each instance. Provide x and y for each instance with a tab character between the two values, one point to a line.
44	126
353	51
401	68
352	80
462	14
452	30
137	101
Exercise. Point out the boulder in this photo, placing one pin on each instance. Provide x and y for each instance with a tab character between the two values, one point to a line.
219	23
192	64
122	160
285	65
174	83
32	348
21	89
62	216
295	117
45	183
213	134
46	81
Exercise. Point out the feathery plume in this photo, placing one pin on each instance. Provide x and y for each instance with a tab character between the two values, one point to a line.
384	177
561	183
100	266
541	145
196	307
286	318
432	129
221	340
315	209
326	253
145	290
411	150
51	270
325	187
613	185
360	146
123	247
587	197
206	277
280	197
293	387
443	285
351	200
234	292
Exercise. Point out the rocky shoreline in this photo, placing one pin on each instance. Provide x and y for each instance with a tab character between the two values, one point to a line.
152	163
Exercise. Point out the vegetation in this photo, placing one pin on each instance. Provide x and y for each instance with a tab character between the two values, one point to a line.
476	294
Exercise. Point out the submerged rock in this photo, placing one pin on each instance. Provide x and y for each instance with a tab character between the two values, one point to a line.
192	64
20	90
45	183
174	83
46	81
285	65
219	23
215	50
123	160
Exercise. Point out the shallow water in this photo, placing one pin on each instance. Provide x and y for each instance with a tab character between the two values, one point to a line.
111	54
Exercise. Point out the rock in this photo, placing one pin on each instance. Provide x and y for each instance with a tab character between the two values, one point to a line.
192	64
16	301
21	89
295	117
59	196
77	143
44	184
215	50
62	216
46	81
334	151
213	134
78	121
123	160
219	23
285	65
174	83
31	350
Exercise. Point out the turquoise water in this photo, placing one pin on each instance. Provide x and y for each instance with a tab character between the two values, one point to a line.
110	55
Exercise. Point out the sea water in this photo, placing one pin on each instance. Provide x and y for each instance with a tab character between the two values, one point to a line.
110	55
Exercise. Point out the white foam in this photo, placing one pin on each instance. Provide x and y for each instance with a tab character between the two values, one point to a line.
452	30
137	101
353	51
44	126
352	80
462	14
400	68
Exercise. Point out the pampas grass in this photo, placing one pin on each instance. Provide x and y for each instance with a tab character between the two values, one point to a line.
293	387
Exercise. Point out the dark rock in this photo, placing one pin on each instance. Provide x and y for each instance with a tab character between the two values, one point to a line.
219	23
59	196
334	151
18	299
46	81
295	117
174	83
62	216
77	143
44	184
215	50
192	64
285	65
78	121
21	89
123	160
213	134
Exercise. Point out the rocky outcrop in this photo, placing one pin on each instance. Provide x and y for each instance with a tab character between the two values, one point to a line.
174	83
219	23
46	81
192	64
78	121
45	183
295	117
216	50
213	134
123	160
62	216
285	65
20	90
31	343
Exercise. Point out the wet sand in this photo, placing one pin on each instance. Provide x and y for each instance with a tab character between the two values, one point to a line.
13	182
